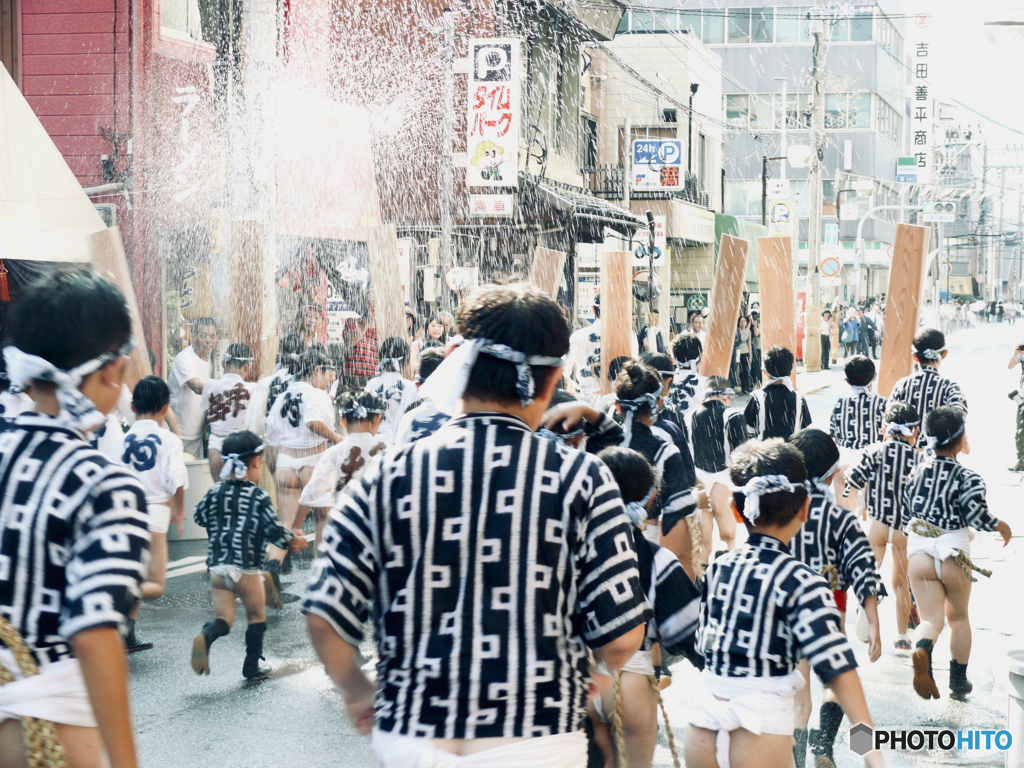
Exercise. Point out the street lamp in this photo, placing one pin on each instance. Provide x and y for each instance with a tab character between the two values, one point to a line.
689	141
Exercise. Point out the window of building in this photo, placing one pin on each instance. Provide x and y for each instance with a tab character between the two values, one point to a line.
703	161
689	21
624	23
713	31
737	111
888	122
183	16
847	111
888	38
860	25
762	112
739	25
797	107
670	115
588	144
788	22
762	25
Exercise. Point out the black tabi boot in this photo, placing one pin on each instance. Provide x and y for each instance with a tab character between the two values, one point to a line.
131	642
286	564
201	643
959	685
924	682
830	720
252	669
800	748
272	584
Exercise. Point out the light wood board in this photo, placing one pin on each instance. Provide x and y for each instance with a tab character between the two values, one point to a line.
247	289
388	303
726	297
775	272
902	305
546	272
616	310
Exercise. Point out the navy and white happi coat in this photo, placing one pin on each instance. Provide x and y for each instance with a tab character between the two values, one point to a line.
945	493
885	469
492	558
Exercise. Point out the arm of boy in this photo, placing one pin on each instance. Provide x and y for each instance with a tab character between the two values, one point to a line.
974	506
178	510
100	653
319	428
850	695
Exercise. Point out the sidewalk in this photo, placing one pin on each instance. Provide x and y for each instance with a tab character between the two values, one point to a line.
809	382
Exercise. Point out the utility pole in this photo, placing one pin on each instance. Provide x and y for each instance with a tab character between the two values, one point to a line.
627	163
447	130
997	283
812	344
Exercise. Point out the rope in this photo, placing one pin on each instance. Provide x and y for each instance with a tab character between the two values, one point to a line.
831	574
696	542
929	531
42	746
668	728
620	739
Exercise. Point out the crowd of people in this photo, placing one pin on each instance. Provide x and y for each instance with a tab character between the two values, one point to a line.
529	536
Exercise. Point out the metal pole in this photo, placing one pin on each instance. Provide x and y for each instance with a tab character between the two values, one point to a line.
764	190
627	164
812	344
689	139
785	121
447	130
997	285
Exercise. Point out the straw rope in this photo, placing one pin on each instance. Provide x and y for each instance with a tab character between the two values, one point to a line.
831	574
43	748
929	531
696	542
668	728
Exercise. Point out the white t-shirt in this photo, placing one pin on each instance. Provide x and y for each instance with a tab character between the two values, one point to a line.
226	402
157	456
185	403
292	412
260	400
338	465
398	394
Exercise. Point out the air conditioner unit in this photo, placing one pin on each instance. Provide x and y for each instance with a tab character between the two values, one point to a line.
107	212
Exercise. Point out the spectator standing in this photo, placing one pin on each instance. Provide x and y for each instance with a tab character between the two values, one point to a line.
361	359
851	327
827	327
191	369
743	348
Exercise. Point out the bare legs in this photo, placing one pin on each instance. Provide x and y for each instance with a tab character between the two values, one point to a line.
878	536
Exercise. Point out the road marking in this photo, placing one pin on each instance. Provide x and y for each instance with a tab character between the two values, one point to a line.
186	570
187	561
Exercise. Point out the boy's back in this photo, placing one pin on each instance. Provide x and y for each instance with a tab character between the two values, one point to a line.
858	420
226	404
240	519
773	412
157	456
398	393
885	469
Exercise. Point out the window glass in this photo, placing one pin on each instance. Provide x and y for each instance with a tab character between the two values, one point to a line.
666	21
860	29
737	109
835	110
763	23
714	27
840	31
762	112
859	111
787	24
796	109
623	27
742	198
642	22
690	21
739	25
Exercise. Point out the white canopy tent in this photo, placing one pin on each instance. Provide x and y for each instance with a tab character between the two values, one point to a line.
44	213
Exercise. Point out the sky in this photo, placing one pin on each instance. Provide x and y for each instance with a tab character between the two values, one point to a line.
970	67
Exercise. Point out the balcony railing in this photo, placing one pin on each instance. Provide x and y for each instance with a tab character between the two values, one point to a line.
607	181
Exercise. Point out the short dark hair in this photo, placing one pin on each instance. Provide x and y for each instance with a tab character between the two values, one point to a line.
899	412
202	322
394	348
70	317
860	371
237	350
686	347
242	443
819	450
309	361
521	317
290	350
430	359
758	458
151	394
615	366
560	397
661	363
942	424
635	381
926	340
597	305
632	472
348	402
778	361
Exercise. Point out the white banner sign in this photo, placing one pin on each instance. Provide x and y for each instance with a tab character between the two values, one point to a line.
491	205
922	104
492	119
406	258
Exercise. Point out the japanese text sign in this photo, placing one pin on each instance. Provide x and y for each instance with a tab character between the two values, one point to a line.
492	119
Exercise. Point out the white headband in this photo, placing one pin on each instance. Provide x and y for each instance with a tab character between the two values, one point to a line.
784	379
931	354
76	410
906	430
448	383
636	511
761	486
396	364
689	365
629	406
234	467
860	390
227	358
934	442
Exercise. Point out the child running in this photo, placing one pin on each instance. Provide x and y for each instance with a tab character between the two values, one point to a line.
832	543
777	409
391	386
158	457
683	396
926	390
762	611
884	468
944	501
240	519
226	402
857	419
633	709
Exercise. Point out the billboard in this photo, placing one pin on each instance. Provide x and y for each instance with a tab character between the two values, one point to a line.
492	120
657	164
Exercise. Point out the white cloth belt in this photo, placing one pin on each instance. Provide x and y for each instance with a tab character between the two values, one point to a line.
565	750
756	704
57	694
949	544
640	663
284	461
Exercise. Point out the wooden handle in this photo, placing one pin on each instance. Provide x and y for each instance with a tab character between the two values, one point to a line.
903	305
726	296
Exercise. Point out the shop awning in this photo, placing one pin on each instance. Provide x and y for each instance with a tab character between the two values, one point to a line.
587	207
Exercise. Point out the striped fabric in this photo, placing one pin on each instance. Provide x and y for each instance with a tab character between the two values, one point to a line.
683	397
717	432
772	412
764	610
492	558
74	536
858	420
673	597
885	469
926	390
674	500
241	522
832	536
946	494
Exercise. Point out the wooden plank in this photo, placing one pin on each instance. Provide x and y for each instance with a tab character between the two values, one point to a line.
74	125
546	272
70	64
109	261
83	146
247	256
388	300
775	271
616	310
58	44
72	23
902	305
726	296
72	105
29	7
71	85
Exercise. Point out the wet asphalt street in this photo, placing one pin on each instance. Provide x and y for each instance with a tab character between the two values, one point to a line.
296	718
